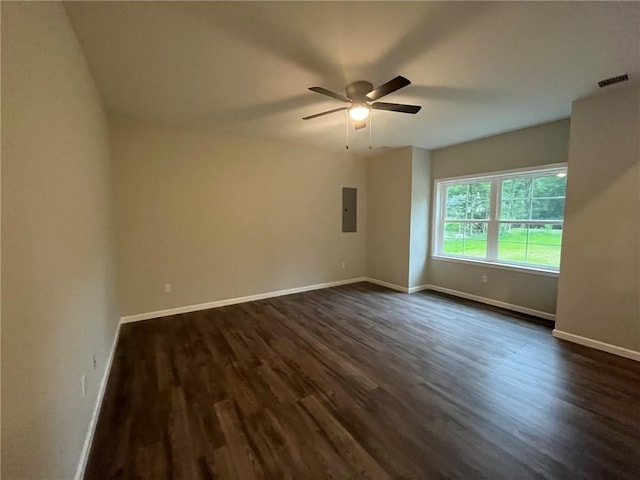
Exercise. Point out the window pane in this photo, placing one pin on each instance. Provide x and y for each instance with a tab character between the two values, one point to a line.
513	233
468	239
531	244
547	209
512	243
467	201
548	255
544	245
478	201
475	239
453	238
549	186
515	209
512	252
545	234
456	202
516	188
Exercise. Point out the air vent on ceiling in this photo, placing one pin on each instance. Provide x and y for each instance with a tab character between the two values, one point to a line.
610	81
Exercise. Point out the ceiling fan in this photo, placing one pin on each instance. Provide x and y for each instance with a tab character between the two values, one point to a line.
360	94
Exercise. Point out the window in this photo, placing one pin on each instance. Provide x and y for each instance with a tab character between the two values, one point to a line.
508	218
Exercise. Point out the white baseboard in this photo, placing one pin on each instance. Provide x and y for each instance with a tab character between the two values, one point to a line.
86	447
234	301
598	345
468	296
392	286
418	288
490	301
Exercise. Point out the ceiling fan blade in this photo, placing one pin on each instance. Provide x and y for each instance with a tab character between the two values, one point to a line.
325	113
396	107
329	93
387	88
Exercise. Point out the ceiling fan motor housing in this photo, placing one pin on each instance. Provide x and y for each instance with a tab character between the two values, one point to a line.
357	91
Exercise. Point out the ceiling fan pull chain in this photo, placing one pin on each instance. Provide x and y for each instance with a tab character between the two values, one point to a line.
347	129
370	128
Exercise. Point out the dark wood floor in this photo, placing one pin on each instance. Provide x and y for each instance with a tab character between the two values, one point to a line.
363	382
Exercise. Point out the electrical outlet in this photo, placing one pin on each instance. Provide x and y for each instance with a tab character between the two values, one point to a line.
84	384
167	288
484	279
93	360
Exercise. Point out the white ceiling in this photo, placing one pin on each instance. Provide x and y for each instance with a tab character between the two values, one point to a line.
476	68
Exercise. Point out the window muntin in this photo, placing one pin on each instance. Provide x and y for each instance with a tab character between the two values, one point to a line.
510	218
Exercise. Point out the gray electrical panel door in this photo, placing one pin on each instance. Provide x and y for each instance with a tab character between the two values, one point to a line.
349	209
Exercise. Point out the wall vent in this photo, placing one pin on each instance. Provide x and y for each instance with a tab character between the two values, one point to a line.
610	81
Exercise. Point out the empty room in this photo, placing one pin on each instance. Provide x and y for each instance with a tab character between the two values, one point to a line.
320	240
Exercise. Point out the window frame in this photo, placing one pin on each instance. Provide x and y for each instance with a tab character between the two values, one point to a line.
493	221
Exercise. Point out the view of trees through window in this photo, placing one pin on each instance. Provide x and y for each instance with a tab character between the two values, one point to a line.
525	225
468	202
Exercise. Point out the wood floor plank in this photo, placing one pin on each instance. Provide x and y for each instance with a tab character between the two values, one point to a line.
244	461
363	382
358	457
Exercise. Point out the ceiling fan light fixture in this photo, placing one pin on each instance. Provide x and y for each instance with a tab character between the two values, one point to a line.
359	111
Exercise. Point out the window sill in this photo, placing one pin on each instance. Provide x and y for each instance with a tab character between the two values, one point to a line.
501	266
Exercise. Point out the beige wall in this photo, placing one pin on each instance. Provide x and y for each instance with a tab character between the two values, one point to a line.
389	215
540	145
420	217
599	292
56	247
220	217
528	147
